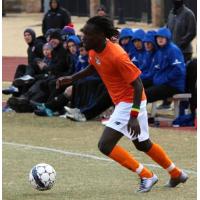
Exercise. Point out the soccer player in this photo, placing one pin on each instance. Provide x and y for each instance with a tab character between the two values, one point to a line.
129	118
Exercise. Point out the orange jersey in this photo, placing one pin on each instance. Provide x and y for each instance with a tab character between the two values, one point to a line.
117	72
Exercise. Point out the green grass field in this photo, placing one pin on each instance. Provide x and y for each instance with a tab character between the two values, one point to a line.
79	177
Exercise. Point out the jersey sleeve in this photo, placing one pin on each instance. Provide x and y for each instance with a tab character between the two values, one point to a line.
126	68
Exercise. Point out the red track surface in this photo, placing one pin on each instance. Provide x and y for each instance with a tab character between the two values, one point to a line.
9	65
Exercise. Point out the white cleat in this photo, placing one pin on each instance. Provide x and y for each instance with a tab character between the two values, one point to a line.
146	184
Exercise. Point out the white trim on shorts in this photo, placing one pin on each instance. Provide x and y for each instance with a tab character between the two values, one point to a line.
121	115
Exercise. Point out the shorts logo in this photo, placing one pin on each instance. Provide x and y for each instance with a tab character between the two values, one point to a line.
117	123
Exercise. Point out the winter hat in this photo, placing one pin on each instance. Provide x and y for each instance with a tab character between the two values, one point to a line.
68	30
31	32
47	46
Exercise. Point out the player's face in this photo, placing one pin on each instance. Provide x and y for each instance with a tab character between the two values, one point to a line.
161	41
83	52
72	47
138	44
46	52
101	13
54	4
27	37
125	41
91	38
54	42
148	46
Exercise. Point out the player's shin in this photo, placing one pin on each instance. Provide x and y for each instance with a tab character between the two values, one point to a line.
124	158
160	156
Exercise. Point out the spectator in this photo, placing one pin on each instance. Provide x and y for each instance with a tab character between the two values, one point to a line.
56	17
137	56
21	104
169	69
72	44
150	50
101	11
125	38
82	59
24	73
182	24
66	32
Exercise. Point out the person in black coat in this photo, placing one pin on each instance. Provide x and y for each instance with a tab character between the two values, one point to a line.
56	17
25	73
182	24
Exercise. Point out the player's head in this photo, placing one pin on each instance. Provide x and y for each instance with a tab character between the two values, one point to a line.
96	30
178	3
47	49
101	11
29	35
82	50
54	4
55	38
149	41
163	36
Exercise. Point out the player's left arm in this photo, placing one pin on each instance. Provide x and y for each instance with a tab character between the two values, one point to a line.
133	124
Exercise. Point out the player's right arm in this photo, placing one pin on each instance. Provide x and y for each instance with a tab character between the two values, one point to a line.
67	80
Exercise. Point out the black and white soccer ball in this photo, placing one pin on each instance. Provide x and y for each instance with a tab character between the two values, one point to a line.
42	177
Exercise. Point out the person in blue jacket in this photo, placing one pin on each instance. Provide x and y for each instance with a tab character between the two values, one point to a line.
150	50
169	69
125	42
137	56
72	44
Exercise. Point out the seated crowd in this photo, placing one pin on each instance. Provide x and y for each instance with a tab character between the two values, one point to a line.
62	53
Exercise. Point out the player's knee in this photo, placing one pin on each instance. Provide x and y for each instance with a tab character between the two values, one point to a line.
104	147
144	146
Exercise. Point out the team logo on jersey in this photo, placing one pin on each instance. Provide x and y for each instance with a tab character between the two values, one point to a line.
176	62
157	66
97	60
134	59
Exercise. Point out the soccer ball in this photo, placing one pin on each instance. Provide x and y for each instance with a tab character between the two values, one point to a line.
42	177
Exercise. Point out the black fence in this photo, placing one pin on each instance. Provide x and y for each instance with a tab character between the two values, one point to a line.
134	10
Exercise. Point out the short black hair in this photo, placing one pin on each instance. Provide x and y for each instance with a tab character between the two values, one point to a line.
104	25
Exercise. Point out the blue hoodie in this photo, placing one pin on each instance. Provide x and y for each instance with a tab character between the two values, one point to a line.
169	66
76	40
127	33
147	69
137	56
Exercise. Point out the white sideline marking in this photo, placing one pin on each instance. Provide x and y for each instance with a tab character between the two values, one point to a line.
67	153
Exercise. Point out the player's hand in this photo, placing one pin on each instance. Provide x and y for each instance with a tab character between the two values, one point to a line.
64	80
133	127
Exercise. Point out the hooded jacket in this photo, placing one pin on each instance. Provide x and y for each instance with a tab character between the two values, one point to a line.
127	33
61	63
55	18
182	24
168	65
147	69
74	57
35	48
137	56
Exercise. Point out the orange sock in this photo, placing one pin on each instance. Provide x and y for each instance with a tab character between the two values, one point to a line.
121	156
158	155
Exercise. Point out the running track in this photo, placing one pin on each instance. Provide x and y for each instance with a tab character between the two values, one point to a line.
9	65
